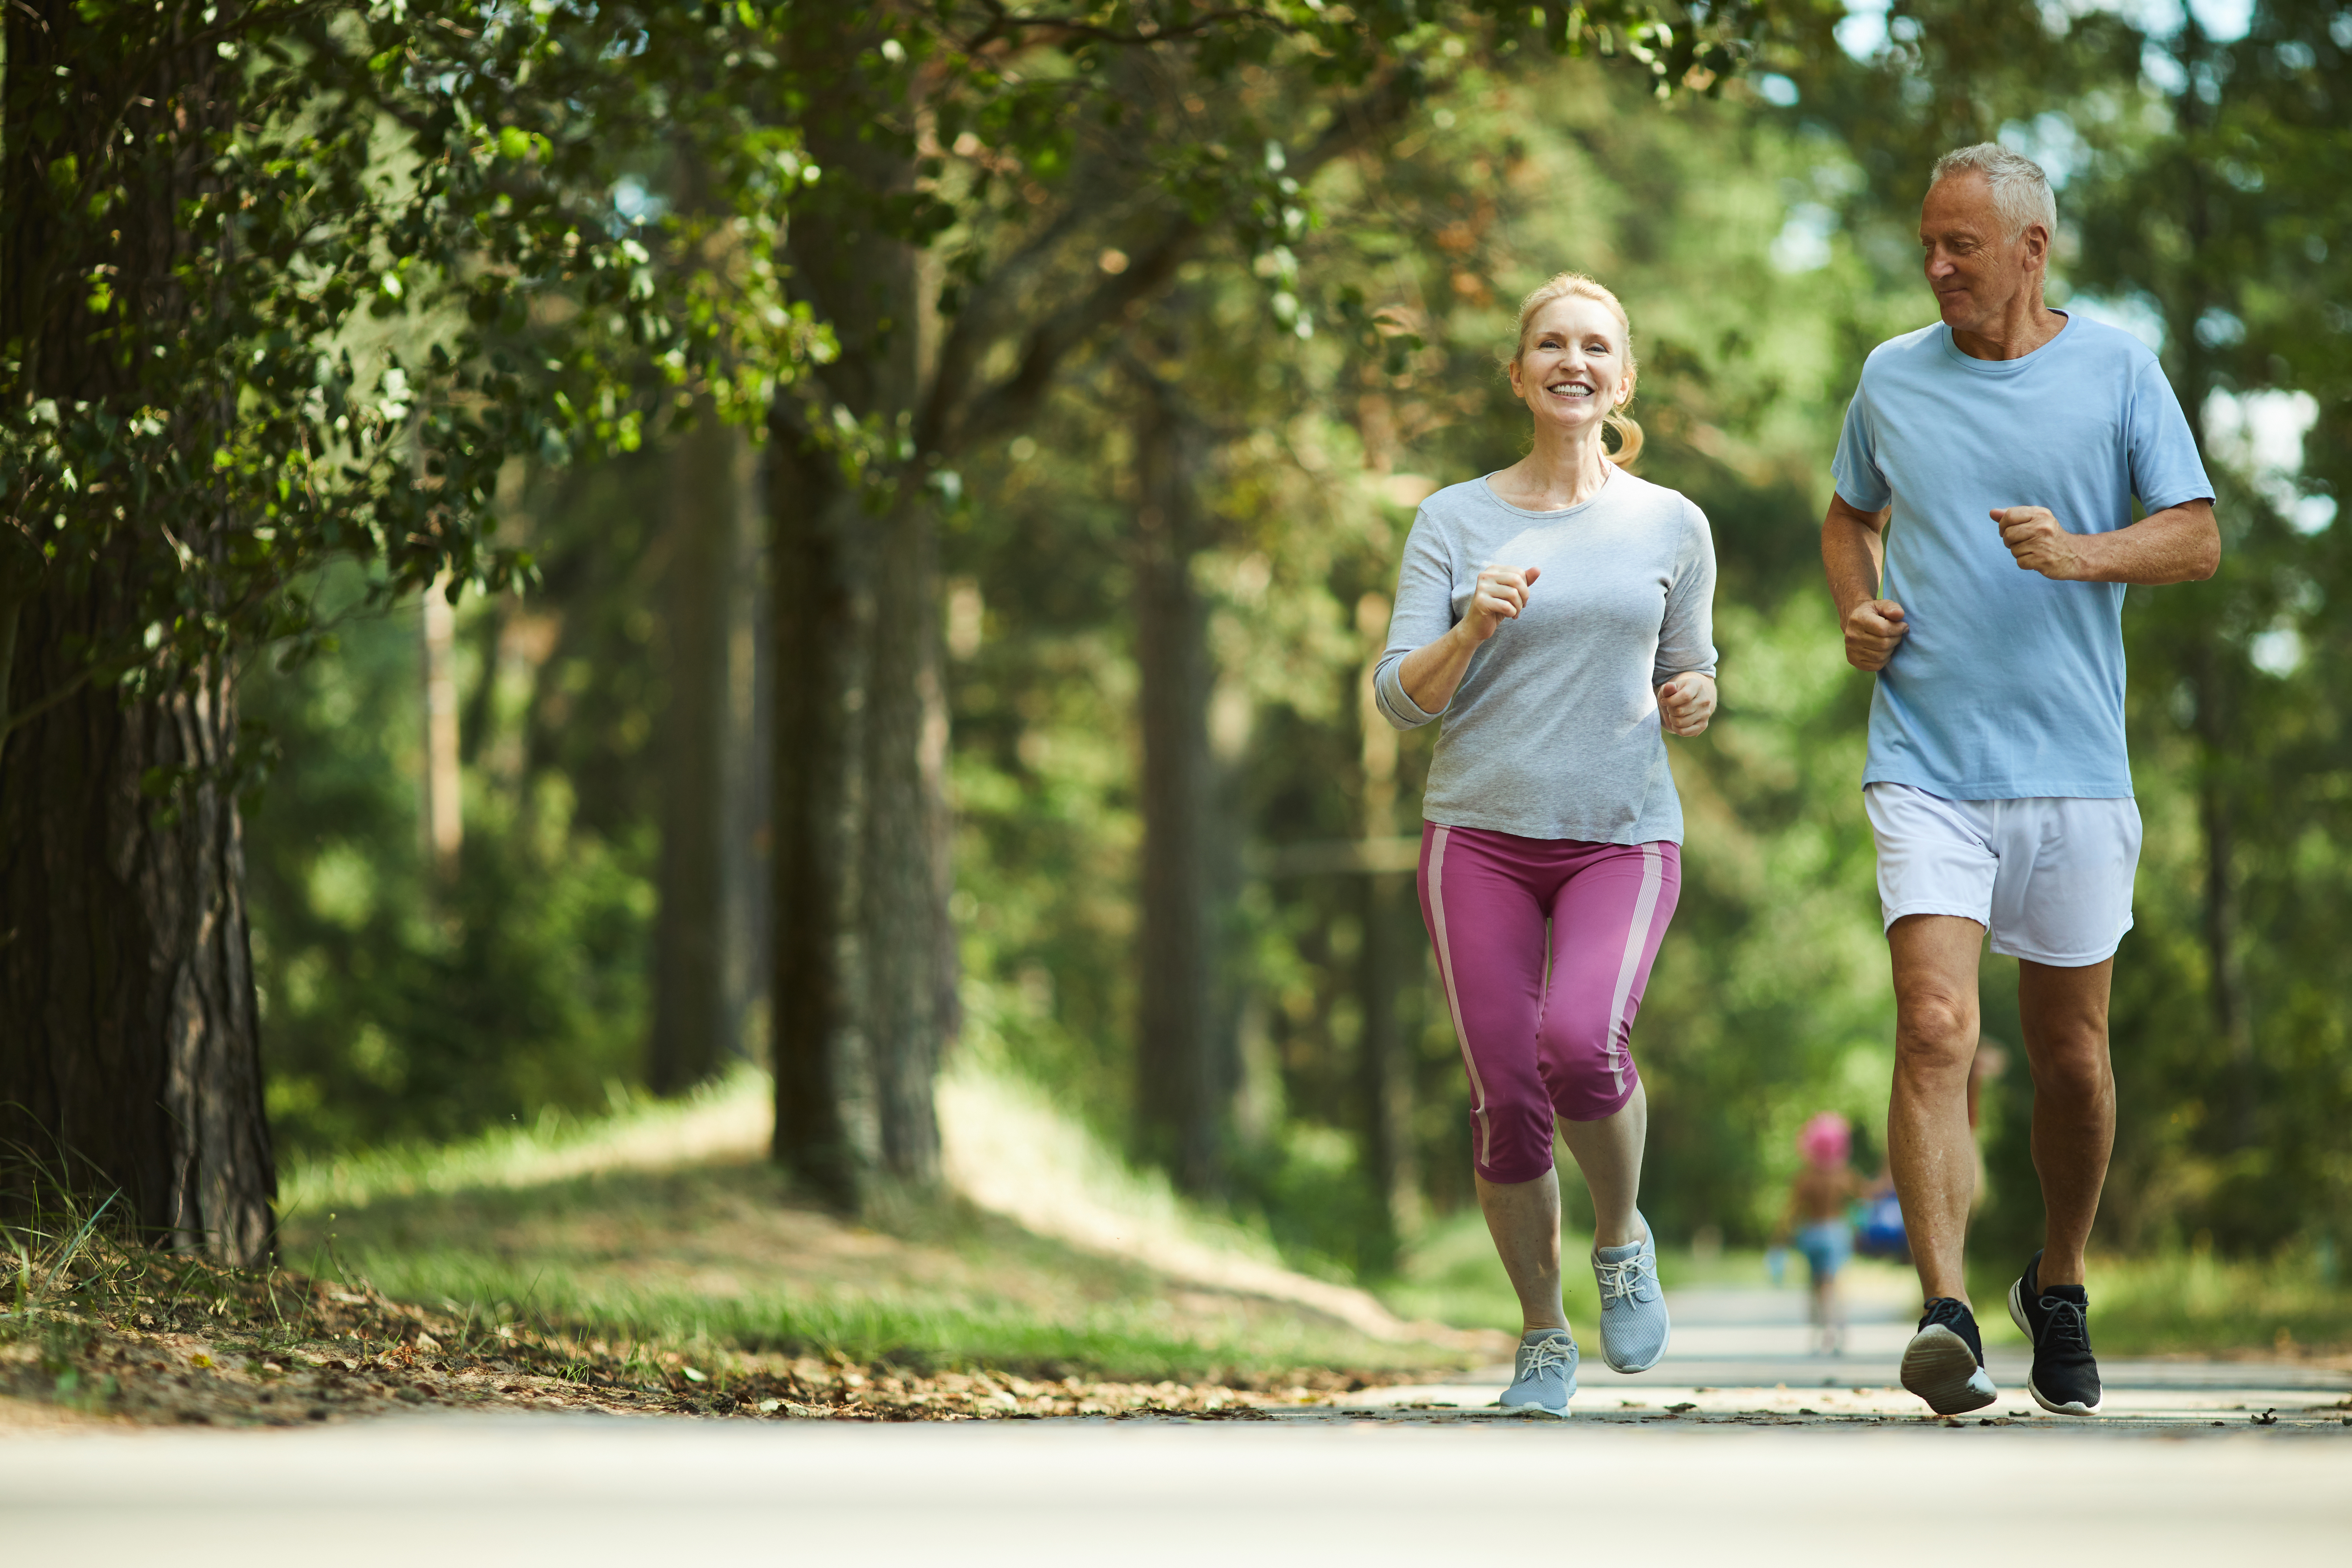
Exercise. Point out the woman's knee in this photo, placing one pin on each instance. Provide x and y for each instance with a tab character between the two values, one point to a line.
1511	1141
1587	1069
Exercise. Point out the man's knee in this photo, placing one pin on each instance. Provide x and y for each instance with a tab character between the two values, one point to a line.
2074	1064
1936	1028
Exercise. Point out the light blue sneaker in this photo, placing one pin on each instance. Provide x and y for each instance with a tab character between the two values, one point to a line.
1543	1373
1634	1323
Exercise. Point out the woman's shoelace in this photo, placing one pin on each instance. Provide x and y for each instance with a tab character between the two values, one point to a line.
1546	1355
1624	1280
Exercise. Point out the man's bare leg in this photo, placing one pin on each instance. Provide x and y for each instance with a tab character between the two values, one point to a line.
2064	1012
1929	1145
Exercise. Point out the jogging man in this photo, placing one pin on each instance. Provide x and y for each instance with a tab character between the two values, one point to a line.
1987	472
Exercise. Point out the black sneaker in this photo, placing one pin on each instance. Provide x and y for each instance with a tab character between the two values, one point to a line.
1944	1362
2057	1319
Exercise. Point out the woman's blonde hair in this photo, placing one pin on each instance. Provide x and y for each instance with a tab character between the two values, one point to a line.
1576	285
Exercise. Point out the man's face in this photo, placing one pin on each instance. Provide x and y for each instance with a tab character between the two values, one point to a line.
1976	271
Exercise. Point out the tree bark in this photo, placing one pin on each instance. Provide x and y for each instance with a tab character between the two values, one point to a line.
1180	1071
864	979
1386	1067
130	1056
746	875
2202	651
130	1061
691	1011
824	1132
445	812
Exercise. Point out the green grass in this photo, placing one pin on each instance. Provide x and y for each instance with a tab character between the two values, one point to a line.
1142	1342
2191	1302
523	1153
660	1229
2177	1302
498	1229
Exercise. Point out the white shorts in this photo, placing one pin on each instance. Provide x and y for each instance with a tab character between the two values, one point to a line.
2050	877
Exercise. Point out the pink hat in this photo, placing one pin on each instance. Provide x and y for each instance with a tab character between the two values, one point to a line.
1826	1140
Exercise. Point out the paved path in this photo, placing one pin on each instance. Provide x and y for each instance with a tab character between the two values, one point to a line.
1707	1460
1749	1351
433	1493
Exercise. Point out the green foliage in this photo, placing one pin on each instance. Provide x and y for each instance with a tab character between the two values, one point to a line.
397	1008
307	278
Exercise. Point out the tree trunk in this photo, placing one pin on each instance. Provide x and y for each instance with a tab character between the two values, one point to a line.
1386	1067
861	1000
746	878
691	1011
445	816
2232	1019
2203	652
863	996
1180	1076
824	1122
130	1056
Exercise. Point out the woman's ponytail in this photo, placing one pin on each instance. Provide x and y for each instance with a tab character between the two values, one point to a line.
1629	437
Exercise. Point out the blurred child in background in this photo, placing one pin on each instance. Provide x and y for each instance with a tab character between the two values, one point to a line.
1815	1221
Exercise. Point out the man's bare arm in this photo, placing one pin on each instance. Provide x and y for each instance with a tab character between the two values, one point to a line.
1854	554
2180	544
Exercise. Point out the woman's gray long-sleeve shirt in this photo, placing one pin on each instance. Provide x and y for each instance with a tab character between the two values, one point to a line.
1554	731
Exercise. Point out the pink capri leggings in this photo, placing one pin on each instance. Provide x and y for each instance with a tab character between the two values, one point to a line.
1542	1016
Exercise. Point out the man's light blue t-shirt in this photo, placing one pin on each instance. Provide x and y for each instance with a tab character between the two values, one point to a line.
2008	684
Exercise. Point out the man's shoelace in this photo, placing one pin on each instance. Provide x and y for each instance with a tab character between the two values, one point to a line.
1543	1356
1624	1280
2067	1324
1945	1311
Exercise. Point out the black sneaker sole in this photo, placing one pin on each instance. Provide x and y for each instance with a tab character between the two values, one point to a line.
2017	1316
1938	1366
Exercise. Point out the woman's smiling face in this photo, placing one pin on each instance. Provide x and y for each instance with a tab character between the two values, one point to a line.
1572	371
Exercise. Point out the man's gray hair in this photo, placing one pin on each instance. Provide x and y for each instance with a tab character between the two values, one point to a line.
2021	191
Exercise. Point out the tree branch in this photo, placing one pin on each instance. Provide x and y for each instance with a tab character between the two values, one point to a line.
1006	26
957	412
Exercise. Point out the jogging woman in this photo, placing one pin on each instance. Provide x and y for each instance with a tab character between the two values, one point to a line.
1558	613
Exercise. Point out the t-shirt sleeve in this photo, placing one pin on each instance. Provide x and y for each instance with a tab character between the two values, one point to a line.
1687	636
2165	467
1855	467
1423	611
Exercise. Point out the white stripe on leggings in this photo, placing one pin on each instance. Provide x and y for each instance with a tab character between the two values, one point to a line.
1453	997
1637	933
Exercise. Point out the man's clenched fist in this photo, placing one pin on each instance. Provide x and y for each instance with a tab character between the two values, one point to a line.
2034	536
1873	630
